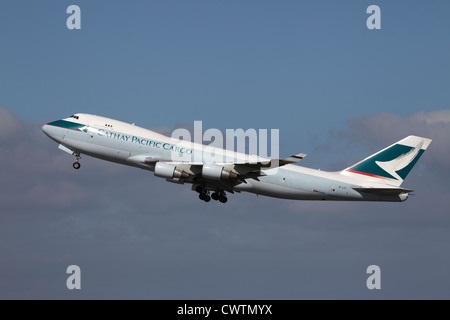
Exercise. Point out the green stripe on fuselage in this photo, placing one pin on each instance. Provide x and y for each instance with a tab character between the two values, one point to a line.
66	124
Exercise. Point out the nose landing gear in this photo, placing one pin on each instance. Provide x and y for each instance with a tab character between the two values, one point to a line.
76	164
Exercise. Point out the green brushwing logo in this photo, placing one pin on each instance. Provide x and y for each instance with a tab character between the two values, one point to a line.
393	163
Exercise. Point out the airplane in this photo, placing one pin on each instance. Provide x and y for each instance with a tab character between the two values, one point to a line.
375	178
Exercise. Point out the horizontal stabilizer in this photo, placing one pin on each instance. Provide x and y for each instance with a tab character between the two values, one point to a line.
383	191
292	159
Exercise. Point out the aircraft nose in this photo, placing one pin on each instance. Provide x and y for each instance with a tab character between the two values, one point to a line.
45	129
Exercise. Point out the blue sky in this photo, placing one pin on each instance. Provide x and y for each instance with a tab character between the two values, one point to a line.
228	63
311	69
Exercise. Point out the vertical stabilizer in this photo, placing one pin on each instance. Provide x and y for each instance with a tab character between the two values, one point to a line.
391	164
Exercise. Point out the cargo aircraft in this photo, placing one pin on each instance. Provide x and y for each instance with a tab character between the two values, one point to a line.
375	178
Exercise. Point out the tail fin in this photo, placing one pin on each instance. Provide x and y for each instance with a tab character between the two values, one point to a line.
393	163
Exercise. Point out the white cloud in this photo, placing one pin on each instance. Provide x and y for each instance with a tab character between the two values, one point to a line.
9	125
384	129
432	117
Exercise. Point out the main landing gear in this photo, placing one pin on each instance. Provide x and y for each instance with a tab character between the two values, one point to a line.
76	164
204	195
219	196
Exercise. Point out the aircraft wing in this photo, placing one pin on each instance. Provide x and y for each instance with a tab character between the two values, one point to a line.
238	171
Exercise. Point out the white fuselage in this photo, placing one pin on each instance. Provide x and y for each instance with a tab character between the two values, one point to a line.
124	143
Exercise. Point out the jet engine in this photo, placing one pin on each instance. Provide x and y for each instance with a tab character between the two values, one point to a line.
216	172
169	171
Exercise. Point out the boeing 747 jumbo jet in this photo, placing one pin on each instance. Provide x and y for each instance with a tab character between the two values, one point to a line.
376	178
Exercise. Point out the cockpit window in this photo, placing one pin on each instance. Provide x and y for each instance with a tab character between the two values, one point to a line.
74	116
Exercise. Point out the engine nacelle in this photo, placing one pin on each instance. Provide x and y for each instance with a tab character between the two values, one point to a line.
215	172
169	171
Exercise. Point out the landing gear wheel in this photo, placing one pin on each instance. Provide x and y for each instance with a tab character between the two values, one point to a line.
207	198
76	164
215	196
223	199
202	196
